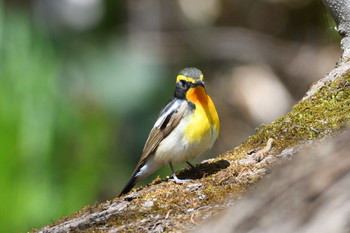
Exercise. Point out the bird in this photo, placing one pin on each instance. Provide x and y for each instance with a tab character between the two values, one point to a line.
186	127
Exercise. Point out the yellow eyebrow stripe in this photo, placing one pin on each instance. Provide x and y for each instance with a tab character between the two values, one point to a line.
188	79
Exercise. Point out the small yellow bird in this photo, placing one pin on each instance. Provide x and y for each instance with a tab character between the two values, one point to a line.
186	127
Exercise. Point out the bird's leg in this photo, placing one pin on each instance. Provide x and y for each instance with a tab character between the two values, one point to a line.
175	179
191	165
201	171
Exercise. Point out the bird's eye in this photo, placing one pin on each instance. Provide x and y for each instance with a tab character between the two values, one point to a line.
184	83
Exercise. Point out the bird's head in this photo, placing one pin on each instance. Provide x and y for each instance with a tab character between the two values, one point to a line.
188	78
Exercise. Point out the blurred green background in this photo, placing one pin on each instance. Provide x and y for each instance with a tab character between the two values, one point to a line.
82	82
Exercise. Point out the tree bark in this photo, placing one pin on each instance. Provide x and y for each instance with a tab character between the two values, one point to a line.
340	11
309	194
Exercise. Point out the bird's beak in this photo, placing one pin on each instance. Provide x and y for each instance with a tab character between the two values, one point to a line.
199	83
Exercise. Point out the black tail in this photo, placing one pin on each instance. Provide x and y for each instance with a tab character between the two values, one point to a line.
129	185
136	177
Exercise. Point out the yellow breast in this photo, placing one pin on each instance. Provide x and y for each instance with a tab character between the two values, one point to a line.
205	121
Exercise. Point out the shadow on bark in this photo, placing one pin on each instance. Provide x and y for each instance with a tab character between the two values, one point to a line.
203	169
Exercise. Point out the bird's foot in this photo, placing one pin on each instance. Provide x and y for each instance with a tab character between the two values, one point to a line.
179	181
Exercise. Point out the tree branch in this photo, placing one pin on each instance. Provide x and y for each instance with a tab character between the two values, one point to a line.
308	194
340	11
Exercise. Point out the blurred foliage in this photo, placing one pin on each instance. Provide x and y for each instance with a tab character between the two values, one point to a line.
59	114
76	104
52	150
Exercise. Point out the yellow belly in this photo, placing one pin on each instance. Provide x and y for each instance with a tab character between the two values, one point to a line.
205	121
195	134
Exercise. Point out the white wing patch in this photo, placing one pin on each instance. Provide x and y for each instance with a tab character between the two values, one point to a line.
164	115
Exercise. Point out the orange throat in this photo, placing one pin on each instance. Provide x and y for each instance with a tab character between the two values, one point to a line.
197	95
204	105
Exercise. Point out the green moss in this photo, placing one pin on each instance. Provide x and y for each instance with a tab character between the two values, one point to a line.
324	114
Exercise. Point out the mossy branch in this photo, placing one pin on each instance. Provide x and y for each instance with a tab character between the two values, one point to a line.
166	206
